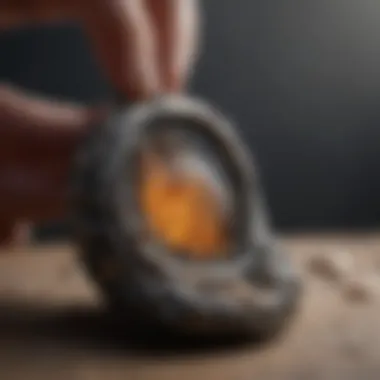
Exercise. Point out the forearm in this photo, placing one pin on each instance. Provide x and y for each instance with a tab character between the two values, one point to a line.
41	117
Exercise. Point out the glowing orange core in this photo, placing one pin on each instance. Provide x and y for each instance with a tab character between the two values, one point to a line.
182	211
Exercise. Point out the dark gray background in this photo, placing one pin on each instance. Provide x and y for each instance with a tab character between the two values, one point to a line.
301	77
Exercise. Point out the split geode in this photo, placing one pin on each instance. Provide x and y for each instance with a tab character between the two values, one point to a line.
251	289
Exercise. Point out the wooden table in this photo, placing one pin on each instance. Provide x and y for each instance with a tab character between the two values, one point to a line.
52	327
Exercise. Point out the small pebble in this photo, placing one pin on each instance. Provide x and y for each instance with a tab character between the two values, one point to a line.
335	265
362	289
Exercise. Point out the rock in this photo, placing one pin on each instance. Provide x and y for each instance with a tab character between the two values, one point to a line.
362	289
334	265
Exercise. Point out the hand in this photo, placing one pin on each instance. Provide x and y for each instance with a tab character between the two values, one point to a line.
145	46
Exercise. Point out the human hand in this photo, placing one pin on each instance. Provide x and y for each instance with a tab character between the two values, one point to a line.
146	47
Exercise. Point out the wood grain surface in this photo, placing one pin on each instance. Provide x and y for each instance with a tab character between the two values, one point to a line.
52	326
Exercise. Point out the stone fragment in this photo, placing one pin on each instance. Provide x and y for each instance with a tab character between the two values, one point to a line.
362	289
332	265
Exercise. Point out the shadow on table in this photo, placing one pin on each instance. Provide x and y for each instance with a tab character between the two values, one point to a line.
91	328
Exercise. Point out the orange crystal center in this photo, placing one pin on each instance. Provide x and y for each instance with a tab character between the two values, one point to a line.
182	211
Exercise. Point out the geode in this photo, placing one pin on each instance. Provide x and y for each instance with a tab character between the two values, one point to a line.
250	289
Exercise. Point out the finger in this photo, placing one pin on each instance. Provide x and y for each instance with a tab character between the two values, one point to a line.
23	114
177	24
122	34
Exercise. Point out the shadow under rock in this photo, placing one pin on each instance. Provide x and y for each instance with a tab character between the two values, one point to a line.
23	323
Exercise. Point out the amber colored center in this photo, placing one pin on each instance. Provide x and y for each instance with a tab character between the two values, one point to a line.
182	211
